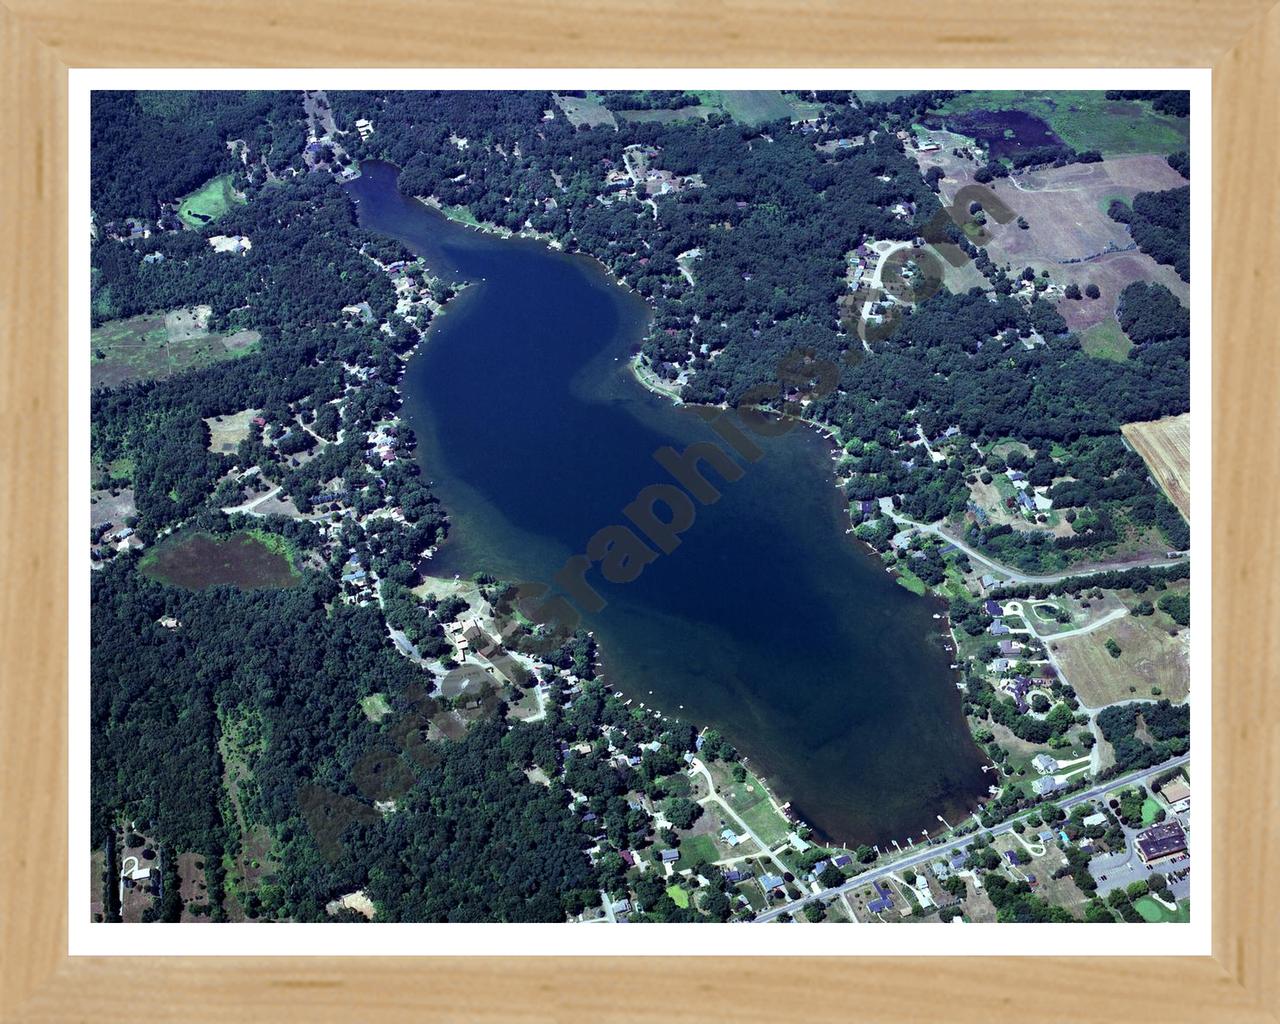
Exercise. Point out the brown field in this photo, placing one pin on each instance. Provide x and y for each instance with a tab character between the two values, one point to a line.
198	560
1149	657
1165	446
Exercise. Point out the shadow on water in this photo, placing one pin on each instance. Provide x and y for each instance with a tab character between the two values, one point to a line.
767	621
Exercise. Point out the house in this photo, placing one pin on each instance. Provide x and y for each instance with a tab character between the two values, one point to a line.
957	861
1045	764
843	861
628	858
1026	501
670	856
1013	857
992	607
998	628
730	837
1045	785
1160	841
771	882
884	899
1094	819
1046	836
364	127
1009	648
989	581
733	876
941	870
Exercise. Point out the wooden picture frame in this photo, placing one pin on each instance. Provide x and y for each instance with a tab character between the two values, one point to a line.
42	39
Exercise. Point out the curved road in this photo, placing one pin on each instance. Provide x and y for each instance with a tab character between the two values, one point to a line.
933	852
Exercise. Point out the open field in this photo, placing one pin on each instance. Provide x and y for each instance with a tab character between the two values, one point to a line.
199	560
1165	446
191	881
582	110
750	106
155	345
1106	340
1086	119
1065	210
667	116
209	202
1149	657
226	432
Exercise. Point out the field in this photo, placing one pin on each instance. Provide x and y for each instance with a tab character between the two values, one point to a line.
582	110
226	432
1149	657
667	116
695	849
209	202
158	345
1106	340
750	106
1165	446
199	560
752	804
1065	210
1086	119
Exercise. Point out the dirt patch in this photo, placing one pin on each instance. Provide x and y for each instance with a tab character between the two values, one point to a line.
105	507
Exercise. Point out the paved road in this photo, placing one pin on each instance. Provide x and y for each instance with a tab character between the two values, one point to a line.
928	853
1020	577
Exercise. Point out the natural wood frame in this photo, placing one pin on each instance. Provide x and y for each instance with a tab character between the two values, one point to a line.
41	39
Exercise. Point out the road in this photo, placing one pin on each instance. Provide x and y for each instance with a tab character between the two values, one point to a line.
1111	616
1020	577
927	854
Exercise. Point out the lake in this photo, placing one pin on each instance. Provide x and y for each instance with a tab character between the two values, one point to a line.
767	622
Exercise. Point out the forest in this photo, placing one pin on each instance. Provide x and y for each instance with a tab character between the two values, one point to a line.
1160	223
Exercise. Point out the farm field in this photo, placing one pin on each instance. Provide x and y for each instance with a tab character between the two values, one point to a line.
159	345
1086	119
198	560
1149	657
1165	446
209	202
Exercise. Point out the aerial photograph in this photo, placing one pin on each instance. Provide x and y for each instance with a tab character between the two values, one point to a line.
629	506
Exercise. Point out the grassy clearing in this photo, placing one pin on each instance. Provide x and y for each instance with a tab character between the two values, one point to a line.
749	106
249	560
749	799
1106	340
209	202
1086	119
226	432
375	706
586	110
679	896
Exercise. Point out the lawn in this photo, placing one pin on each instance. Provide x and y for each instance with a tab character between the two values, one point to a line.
679	896
1106	340
1154	913
695	849
1150	808
751	803
1086	119
582	110
209	202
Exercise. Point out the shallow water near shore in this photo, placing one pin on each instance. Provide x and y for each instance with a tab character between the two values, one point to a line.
767	622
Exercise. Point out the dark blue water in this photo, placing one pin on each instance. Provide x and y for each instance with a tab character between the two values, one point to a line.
768	621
